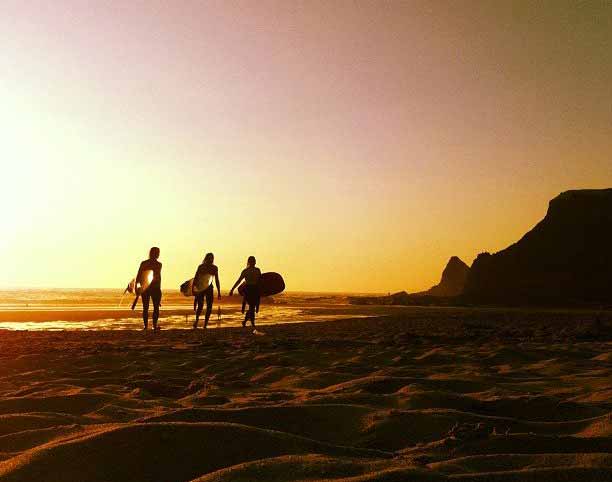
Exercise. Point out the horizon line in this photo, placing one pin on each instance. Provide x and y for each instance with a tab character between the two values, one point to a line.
22	288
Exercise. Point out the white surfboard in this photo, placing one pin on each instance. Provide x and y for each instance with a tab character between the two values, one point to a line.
137	288
202	283
190	288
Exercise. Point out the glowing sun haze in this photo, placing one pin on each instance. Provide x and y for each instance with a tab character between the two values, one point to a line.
351	146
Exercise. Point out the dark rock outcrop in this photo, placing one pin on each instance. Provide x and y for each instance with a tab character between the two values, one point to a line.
566	258
453	280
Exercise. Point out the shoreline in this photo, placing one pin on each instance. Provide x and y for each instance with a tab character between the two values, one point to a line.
92	312
425	321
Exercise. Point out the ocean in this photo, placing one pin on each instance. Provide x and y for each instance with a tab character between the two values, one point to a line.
109	309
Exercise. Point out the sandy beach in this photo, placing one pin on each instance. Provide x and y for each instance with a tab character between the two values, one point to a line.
418	394
409	203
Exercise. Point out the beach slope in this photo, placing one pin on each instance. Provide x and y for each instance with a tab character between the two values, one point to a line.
425	394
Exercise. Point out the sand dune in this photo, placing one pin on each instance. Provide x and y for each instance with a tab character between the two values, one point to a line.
420	395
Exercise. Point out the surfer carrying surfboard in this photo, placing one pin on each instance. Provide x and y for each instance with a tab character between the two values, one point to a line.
251	276
152	290
203	288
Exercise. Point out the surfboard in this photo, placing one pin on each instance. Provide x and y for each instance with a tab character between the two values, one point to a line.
190	288
138	288
202	283
187	288
270	284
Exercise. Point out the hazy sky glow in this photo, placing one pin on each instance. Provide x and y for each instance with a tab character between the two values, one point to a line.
352	146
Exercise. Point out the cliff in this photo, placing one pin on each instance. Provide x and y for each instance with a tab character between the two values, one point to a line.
453	280
566	257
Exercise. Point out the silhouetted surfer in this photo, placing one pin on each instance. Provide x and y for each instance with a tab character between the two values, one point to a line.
206	270
251	276
152	286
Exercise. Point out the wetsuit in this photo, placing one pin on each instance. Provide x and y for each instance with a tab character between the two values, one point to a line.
153	292
251	293
207	294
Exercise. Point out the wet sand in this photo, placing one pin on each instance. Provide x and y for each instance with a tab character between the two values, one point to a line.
420	394
177	316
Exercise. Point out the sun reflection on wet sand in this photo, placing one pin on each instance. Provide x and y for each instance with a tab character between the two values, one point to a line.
55	310
230	317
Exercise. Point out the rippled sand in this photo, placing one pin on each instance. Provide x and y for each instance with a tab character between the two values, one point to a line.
421	394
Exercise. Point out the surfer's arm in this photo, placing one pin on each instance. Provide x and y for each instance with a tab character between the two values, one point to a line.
138	274
240	278
218	284
197	275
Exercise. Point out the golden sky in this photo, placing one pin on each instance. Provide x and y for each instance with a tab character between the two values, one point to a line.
351	146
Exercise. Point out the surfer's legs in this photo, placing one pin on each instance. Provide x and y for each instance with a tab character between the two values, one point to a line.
199	300
145	308
252	297
209	304
250	316
156	296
